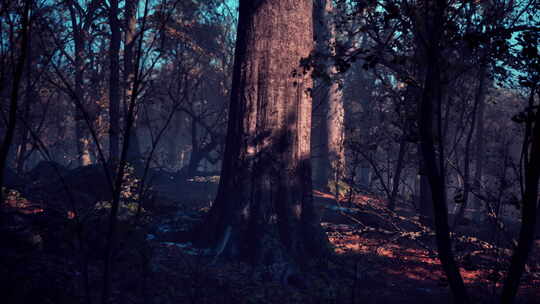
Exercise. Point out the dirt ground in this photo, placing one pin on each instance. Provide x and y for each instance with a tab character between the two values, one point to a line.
380	257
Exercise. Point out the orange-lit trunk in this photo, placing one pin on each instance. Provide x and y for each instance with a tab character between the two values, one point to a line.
264	203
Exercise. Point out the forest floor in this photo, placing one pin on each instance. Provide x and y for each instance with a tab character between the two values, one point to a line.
380	256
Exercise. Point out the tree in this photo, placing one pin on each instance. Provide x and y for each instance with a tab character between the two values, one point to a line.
81	20
114	83
433	158
529	57
529	201
14	96
130	24
264	207
331	162
196	41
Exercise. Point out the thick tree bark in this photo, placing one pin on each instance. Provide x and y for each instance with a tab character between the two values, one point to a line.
264	207
431	99
529	209
331	163
114	83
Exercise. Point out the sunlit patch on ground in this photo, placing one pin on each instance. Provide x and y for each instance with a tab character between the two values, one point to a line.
414	258
15	200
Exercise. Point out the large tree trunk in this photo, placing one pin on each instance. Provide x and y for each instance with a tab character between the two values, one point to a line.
331	163
114	83
264	207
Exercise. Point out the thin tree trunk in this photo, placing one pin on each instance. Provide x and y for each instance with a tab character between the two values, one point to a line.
529	210
122	165
264	206
397	174
478	102
173	145
538	224
436	179
83	143
14	97
195	155
480	150
425	203
431	99
81	137
118	161
538	208
114	80
28	99
425	197
199	151
134	150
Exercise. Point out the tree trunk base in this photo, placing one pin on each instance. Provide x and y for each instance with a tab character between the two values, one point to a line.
264	246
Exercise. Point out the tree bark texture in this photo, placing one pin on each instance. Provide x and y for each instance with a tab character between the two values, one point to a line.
331	163
264	204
